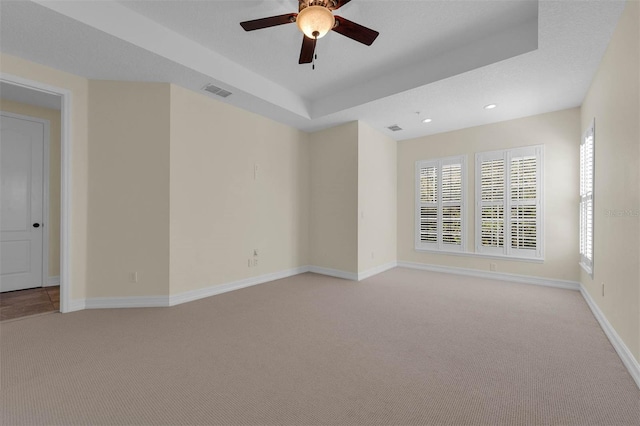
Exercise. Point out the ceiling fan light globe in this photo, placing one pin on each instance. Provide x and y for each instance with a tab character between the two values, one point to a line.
315	21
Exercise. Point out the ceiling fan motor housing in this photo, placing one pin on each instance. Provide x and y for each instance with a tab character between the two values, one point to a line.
315	21
329	4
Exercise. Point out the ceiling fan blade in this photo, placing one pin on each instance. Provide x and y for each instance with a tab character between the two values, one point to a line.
355	31
338	4
272	21
307	51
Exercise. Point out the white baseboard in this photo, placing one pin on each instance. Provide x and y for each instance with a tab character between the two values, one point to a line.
126	302
201	293
502	276
623	351
52	281
377	270
76	305
188	296
176	299
353	276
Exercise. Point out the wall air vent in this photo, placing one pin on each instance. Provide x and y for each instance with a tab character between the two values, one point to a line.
216	90
394	128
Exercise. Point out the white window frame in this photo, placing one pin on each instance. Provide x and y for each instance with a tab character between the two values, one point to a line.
439	245
587	172
506	249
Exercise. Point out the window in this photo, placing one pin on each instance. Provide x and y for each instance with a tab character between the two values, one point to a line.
509	202
440	193
586	198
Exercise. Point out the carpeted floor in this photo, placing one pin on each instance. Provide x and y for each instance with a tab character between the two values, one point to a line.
404	347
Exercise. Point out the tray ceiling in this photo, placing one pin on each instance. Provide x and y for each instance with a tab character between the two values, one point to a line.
439	59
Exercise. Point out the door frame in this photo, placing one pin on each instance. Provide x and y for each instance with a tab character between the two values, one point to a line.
65	180
45	188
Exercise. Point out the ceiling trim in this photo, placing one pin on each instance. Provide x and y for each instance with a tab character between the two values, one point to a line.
128	25
501	45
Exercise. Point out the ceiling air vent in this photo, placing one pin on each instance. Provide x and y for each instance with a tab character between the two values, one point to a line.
216	90
394	128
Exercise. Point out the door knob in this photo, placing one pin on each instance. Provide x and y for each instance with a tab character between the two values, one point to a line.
36	225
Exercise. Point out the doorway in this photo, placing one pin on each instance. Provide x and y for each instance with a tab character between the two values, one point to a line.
25	223
54	281
24	219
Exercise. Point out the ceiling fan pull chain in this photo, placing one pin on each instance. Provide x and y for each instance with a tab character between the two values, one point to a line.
315	55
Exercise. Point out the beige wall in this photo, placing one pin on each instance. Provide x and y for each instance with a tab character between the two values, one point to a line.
377	196
333	232
612	101
157	151
221	207
78	88
128	227
53	225
560	134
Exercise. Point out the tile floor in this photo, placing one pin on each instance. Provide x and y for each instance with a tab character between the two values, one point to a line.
34	301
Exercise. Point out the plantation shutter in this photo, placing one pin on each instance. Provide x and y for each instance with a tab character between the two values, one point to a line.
524	205
492	202
586	198
509	206
452	204
428	215
440	204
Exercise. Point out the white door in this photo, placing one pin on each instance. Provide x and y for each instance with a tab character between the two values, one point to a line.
21	203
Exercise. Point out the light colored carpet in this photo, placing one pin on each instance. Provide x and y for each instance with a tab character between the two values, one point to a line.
404	347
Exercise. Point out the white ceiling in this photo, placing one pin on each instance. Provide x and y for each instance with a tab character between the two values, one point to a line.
443	59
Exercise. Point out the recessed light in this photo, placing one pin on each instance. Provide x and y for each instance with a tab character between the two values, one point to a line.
427	120
490	106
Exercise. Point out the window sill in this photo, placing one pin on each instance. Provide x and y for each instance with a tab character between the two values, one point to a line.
588	269
481	255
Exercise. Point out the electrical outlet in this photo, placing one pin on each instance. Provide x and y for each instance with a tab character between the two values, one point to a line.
133	277
493	267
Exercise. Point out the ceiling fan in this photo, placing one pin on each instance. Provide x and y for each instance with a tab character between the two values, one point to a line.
315	19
